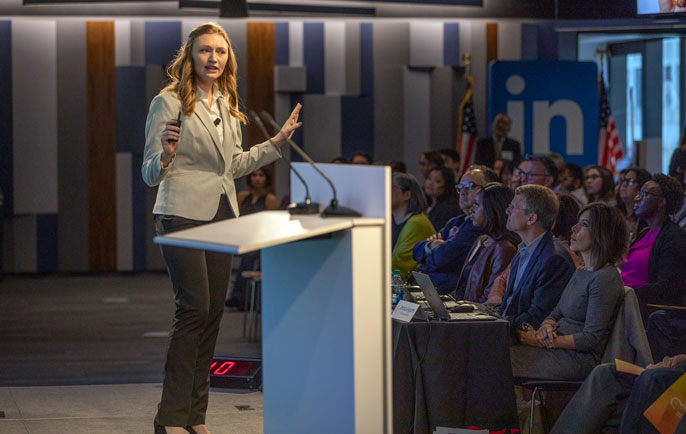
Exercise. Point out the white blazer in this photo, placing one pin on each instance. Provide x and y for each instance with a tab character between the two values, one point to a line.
203	168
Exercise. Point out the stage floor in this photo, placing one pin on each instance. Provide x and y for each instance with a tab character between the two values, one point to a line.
85	353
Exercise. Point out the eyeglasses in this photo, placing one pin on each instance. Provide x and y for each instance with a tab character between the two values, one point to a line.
629	182
642	193
594	176
527	175
467	185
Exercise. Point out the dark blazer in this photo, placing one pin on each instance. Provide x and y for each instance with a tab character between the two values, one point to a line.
443	211
485	151
443	264
665	268
542	284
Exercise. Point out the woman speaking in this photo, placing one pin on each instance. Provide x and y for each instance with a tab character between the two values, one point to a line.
193	152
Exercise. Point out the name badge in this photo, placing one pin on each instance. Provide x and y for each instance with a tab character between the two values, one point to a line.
404	311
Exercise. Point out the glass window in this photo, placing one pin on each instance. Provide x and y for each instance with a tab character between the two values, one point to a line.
670	99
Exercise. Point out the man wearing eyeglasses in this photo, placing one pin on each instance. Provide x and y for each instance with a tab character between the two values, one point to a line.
536	169
489	149
542	267
442	255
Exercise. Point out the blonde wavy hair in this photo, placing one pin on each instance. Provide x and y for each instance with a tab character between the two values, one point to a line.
182	77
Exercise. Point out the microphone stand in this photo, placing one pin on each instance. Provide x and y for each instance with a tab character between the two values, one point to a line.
334	209
307	207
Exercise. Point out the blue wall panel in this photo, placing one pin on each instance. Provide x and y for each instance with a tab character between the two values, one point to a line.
6	120
366	59
131	108
357	125
281	46
46	243
529	42
162	40
547	42
451	44
313	56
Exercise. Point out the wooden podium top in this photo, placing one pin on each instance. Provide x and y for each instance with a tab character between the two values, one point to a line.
260	230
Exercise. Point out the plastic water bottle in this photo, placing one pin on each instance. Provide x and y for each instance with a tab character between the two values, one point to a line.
397	289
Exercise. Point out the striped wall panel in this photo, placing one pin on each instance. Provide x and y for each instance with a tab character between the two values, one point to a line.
101	117
162	40
72	215
6	118
34	98
388	88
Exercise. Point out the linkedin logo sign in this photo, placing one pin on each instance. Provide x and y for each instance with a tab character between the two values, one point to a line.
553	106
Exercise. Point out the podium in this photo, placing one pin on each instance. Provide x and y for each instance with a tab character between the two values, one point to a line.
326	327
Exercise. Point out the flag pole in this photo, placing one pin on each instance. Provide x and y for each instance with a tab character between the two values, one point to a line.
467	61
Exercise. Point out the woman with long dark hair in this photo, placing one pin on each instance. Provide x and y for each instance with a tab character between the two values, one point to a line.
193	153
492	252
440	192
600	185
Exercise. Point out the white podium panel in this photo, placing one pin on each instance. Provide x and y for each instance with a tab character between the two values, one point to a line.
322	340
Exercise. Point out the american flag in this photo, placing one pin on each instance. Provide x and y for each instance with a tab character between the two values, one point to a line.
609	147
466	126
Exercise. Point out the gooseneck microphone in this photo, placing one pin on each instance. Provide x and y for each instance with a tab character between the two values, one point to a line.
307	207
334	209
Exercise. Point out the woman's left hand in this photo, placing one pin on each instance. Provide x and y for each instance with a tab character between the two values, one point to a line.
528	337
288	127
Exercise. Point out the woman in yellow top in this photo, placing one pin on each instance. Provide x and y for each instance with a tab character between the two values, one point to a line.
410	224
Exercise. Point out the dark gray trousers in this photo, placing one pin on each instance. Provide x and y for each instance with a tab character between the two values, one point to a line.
200	280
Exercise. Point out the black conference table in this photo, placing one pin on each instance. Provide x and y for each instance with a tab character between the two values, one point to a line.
463	376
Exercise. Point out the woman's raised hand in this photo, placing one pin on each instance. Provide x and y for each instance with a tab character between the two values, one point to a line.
288	127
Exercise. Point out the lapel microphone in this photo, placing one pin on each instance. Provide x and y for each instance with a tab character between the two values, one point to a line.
217	121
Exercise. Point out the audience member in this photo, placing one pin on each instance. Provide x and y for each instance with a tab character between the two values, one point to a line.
410	224
506	172
562	229
451	160
542	267
440	191
340	160
255	199
539	170
559	163
398	166
677	164
571	340
571	182
498	145
605	392
361	158
599	184
633	180
443	255
492	252
428	161
653	265
618	182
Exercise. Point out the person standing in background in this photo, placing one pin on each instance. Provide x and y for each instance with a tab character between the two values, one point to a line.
498	145
193	153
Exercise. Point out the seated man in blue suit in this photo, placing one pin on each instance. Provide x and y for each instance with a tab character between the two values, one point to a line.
442	256
542	267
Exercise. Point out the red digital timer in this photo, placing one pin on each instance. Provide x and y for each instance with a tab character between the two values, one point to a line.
236	373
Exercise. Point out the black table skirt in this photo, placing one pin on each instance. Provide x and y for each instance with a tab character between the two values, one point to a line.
464	378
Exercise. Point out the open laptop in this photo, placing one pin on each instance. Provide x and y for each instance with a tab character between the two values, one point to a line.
455	310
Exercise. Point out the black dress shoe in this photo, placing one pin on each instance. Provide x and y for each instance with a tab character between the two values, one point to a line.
159	429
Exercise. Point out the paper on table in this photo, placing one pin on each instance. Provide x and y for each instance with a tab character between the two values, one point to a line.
628	368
